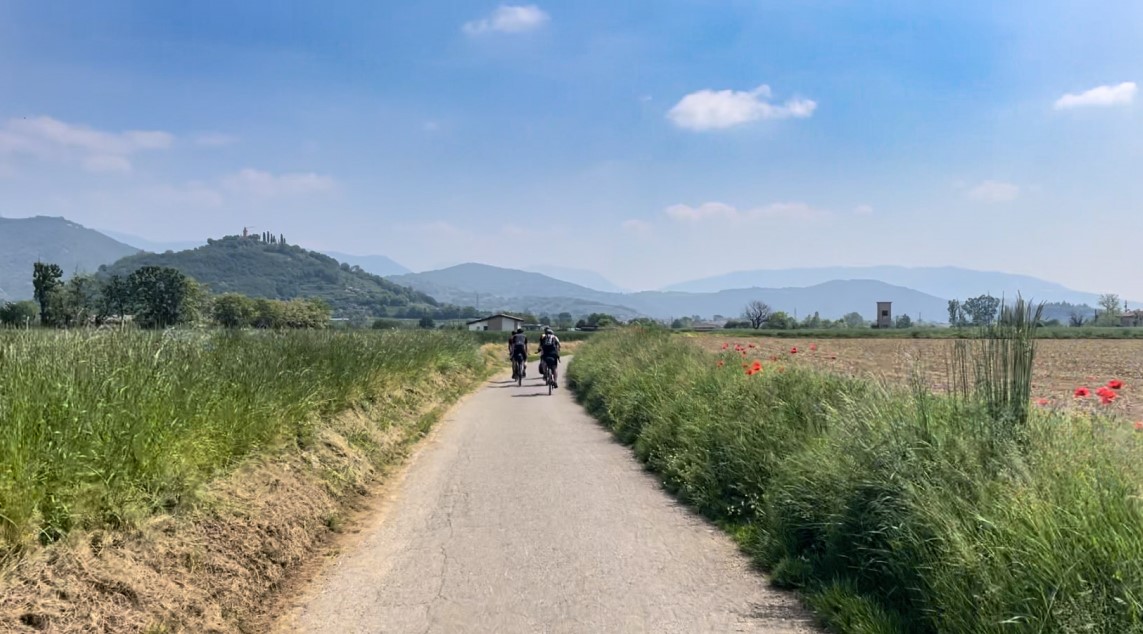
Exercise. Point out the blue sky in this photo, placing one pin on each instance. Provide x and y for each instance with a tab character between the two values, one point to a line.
653	141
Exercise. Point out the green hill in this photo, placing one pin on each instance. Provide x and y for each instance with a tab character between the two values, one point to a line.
252	267
75	248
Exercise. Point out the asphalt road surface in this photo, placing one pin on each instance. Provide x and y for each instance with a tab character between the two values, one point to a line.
521	514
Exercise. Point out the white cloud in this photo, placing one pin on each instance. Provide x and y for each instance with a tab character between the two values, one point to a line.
637	226
994	192
863	210
714	211
193	194
45	138
1100	96
215	139
266	184
715	110
509	19
106	163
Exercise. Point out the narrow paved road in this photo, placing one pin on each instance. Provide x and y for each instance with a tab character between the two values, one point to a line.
523	515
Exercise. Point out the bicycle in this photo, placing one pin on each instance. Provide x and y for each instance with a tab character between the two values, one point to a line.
549	377
518	371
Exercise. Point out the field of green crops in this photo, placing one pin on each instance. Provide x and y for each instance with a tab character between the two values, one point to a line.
102	428
893	509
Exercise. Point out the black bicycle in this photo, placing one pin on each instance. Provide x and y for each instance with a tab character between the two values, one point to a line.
518	370
549	378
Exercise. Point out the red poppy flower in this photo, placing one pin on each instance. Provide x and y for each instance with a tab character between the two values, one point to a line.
725	346
1139	426
1042	402
1082	392
757	366
1105	391
813	347
1115	384
794	350
721	363
751	372
751	345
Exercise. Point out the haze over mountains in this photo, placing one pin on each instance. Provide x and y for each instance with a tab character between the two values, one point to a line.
921	293
525	291
948	281
23	241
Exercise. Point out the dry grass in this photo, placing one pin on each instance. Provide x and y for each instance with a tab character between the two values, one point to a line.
1062	365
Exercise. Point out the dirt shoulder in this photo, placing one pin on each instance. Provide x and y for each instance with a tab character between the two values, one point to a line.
224	562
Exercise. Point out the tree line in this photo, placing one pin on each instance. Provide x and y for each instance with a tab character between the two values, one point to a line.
150	297
758	315
983	310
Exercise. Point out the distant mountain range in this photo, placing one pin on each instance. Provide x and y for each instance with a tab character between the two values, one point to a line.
154	246
23	241
375	264
580	277
492	287
376	284
949	282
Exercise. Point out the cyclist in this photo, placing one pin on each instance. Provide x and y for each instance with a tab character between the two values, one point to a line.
518	351
550	352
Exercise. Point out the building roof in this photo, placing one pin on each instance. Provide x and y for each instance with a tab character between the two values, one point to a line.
477	321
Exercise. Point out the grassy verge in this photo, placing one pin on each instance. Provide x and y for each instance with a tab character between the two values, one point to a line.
1084	332
893	511
194	473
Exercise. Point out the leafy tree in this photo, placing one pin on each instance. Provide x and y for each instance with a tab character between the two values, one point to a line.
682	323
757	313
982	310
956	313
904	321
428	324
232	310
18	314
163	296
565	320
780	321
115	297
81	299
46	287
812	321
1112	308
601	320
1076	320
853	320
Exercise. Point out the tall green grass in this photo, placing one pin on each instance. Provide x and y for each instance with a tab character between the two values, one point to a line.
894	511
99	427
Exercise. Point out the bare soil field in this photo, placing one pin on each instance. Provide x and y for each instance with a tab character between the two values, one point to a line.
1061	365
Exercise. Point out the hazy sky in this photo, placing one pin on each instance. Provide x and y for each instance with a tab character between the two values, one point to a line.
651	140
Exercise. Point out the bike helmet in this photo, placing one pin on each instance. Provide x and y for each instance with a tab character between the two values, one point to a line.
548	330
